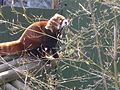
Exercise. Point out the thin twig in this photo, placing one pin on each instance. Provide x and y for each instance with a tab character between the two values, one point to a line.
88	12
115	57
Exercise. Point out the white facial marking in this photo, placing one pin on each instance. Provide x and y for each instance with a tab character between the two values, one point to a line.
64	23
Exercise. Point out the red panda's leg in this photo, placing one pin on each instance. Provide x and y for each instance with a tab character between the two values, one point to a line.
55	54
37	52
51	51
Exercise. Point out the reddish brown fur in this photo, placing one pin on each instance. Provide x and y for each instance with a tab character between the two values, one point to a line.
30	39
35	36
13	47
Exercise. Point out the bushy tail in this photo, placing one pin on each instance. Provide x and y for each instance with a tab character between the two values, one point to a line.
11	48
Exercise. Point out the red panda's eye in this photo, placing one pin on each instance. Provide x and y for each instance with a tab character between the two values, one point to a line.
66	23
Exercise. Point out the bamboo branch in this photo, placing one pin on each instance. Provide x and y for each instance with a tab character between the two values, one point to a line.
98	48
115	58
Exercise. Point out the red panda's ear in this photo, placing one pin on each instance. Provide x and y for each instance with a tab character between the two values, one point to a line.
56	14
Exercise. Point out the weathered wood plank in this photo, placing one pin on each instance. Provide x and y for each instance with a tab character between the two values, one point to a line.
8	86
18	72
20	85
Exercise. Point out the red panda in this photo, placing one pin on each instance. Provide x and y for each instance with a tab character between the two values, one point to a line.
42	35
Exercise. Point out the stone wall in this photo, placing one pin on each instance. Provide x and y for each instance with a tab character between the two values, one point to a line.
44	4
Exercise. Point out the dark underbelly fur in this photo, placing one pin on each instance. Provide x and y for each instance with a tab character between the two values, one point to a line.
40	51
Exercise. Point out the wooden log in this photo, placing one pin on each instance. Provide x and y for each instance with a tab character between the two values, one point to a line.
18	72
15	63
8	58
9	65
20	85
8	86
18	68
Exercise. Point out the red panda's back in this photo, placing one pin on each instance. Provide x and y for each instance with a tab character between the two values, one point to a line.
33	35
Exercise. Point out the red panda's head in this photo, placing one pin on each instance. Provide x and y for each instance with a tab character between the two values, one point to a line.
57	22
